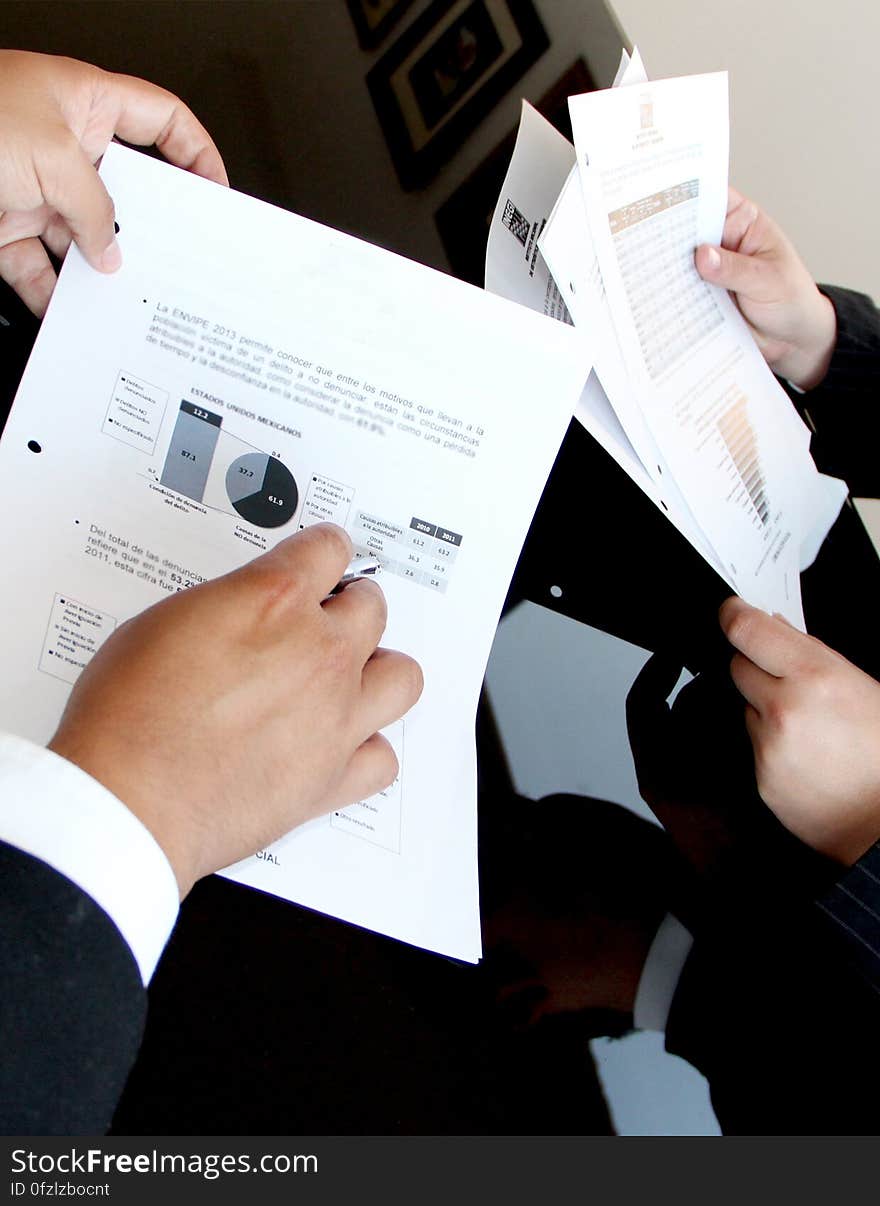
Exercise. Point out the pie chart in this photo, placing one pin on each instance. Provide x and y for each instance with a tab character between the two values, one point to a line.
261	490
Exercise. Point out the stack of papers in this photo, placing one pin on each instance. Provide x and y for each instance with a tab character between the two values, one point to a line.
603	235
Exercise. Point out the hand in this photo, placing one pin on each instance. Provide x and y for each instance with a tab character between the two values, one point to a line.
814	721
793	323
228	714
57	118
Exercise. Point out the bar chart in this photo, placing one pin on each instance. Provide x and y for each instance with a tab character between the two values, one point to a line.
211	466
742	443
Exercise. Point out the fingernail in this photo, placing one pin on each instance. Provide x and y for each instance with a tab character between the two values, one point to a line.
713	259
111	259
732	604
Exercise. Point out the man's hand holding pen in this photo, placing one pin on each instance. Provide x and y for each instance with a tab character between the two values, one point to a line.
220	756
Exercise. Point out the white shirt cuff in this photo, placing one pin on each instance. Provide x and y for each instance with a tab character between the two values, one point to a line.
661	973
51	809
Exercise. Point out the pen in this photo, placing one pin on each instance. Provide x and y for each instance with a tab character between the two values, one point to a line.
359	567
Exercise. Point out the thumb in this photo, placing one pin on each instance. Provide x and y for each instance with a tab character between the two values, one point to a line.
743	274
72	186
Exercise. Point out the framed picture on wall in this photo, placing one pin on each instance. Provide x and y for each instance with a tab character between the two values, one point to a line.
446	71
373	18
463	220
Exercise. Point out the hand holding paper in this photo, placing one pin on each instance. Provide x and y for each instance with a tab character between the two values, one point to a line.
57	118
793	323
814	721
682	398
293	694
219	393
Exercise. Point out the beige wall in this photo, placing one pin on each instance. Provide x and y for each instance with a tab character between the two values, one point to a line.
805	110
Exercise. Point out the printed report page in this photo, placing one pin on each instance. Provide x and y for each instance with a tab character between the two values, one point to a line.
609	408
245	374
653	165
540	226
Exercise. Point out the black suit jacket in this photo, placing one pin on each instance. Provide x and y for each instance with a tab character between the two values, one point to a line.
846	411
72	1004
845	408
778	1002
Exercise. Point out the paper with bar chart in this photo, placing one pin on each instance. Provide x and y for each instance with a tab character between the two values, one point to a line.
539	223
741	442
618	425
245	374
652	160
208	465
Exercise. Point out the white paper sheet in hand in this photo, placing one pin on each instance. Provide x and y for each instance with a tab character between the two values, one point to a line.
630	70
353	386
530	196
568	249
515	269
653	163
538	204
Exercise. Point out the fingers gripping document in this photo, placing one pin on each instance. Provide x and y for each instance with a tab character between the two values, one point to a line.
245	374
680	395
653	166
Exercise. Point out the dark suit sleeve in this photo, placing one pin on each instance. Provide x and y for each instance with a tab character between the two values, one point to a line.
845	408
72	1004
846	411
852	908
776	1017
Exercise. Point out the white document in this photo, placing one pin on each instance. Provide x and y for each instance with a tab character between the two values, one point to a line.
541	162
246	373
539	222
568	249
622	68
533	190
542	159
653	165
631	69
